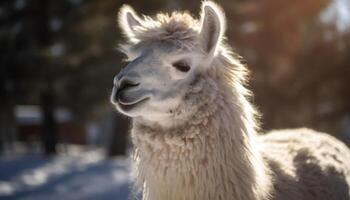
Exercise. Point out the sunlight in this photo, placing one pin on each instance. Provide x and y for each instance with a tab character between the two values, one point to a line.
339	13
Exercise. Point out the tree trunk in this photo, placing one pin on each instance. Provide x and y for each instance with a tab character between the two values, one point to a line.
7	117
119	137
49	133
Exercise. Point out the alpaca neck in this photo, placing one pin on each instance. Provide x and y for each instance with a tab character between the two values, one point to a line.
212	156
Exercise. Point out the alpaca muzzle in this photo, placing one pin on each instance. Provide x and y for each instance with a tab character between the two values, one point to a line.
121	86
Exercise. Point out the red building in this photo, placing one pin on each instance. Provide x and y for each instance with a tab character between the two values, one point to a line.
29	125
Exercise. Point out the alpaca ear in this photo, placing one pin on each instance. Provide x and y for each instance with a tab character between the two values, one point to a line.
212	26
128	20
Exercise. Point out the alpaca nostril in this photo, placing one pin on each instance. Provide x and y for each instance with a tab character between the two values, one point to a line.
126	83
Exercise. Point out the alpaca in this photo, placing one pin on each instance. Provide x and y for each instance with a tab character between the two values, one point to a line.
194	129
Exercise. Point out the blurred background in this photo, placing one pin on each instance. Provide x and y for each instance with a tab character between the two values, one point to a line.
61	139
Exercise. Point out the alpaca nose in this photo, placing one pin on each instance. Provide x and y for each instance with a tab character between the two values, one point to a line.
122	83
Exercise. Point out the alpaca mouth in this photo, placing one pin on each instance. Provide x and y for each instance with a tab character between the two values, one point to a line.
129	96
126	106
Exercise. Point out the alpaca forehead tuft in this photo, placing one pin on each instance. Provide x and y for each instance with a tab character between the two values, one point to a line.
175	27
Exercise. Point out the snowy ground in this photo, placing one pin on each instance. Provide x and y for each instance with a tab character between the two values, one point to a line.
86	175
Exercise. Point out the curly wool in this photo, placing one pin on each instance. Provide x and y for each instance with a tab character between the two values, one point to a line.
198	159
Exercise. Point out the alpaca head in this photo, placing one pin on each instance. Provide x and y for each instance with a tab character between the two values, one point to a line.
165	55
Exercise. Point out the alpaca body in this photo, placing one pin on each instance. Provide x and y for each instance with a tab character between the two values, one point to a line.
299	167
307	165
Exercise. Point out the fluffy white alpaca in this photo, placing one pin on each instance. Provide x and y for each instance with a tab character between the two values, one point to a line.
194	129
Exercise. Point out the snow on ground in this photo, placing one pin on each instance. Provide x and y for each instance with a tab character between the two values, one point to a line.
87	175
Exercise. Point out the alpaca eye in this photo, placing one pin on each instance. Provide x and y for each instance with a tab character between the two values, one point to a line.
182	66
